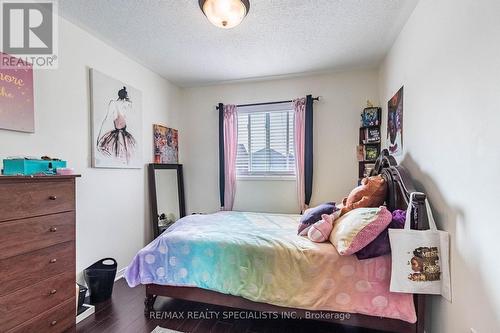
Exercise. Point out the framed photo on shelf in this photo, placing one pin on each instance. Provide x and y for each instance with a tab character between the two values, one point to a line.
367	169
360	152
372	135
371	153
370	117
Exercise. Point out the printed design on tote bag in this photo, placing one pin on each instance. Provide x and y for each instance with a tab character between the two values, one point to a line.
425	264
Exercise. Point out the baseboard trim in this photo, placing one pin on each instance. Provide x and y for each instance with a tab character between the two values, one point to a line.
87	313
120	273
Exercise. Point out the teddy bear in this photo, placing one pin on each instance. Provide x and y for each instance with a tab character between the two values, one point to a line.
371	193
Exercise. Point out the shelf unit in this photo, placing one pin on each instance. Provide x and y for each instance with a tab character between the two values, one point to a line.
364	144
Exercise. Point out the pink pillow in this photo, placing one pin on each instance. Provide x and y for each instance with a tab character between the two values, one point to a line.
358	228
320	231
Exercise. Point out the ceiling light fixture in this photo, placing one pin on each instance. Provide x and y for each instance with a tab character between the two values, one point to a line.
225	14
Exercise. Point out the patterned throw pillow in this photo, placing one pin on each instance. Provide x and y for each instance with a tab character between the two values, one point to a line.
381	246
358	228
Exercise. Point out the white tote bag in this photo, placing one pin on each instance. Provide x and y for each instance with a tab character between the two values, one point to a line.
420	258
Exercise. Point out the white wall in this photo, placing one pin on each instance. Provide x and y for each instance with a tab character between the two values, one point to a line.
112	211
448	59
336	123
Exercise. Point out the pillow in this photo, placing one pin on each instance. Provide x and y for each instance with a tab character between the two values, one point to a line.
320	231
381	246
358	228
313	215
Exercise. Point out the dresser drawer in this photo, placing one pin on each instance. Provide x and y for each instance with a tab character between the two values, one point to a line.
27	269
55	320
22	236
24	304
27	199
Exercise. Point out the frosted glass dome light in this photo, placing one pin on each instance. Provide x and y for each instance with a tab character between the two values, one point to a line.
225	14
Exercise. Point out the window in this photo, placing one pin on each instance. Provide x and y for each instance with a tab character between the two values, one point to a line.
265	141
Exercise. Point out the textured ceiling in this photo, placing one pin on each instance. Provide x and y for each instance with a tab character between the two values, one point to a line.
278	37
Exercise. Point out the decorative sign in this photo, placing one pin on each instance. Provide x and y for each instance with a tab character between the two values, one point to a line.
17	111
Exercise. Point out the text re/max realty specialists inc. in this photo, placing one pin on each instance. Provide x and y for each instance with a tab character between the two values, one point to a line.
255	315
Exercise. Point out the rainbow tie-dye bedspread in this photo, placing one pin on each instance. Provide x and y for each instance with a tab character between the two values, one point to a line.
260	257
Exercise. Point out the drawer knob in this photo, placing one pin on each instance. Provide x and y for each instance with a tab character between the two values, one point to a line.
52	197
53	323
53	229
53	291
53	261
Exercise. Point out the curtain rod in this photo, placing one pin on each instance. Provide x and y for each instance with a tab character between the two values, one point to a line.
270	103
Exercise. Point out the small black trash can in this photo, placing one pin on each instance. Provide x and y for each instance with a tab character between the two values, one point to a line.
100	278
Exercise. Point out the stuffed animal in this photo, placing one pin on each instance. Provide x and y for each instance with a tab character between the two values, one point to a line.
371	193
320	231
313	215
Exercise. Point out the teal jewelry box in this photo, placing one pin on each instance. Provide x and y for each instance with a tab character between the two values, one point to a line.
26	167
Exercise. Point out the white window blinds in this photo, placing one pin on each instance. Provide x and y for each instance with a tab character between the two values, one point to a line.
265	140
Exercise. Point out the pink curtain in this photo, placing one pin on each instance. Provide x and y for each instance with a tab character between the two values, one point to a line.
230	150
299	106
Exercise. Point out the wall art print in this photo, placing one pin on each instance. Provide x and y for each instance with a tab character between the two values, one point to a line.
17	110
166	145
395	123
116	123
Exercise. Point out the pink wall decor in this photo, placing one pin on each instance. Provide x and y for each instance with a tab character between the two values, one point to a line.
17	111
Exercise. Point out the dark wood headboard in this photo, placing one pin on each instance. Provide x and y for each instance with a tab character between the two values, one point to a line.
400	186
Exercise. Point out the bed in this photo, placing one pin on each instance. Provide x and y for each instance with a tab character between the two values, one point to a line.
255	261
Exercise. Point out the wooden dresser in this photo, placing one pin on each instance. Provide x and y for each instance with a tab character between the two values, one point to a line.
37	254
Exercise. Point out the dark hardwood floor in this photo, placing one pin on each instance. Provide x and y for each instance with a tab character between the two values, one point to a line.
124	313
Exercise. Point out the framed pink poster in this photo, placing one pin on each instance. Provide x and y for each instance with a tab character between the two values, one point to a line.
16	96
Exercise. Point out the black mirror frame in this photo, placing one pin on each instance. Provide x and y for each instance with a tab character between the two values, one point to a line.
152	192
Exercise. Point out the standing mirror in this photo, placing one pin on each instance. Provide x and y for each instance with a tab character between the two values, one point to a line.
166	193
